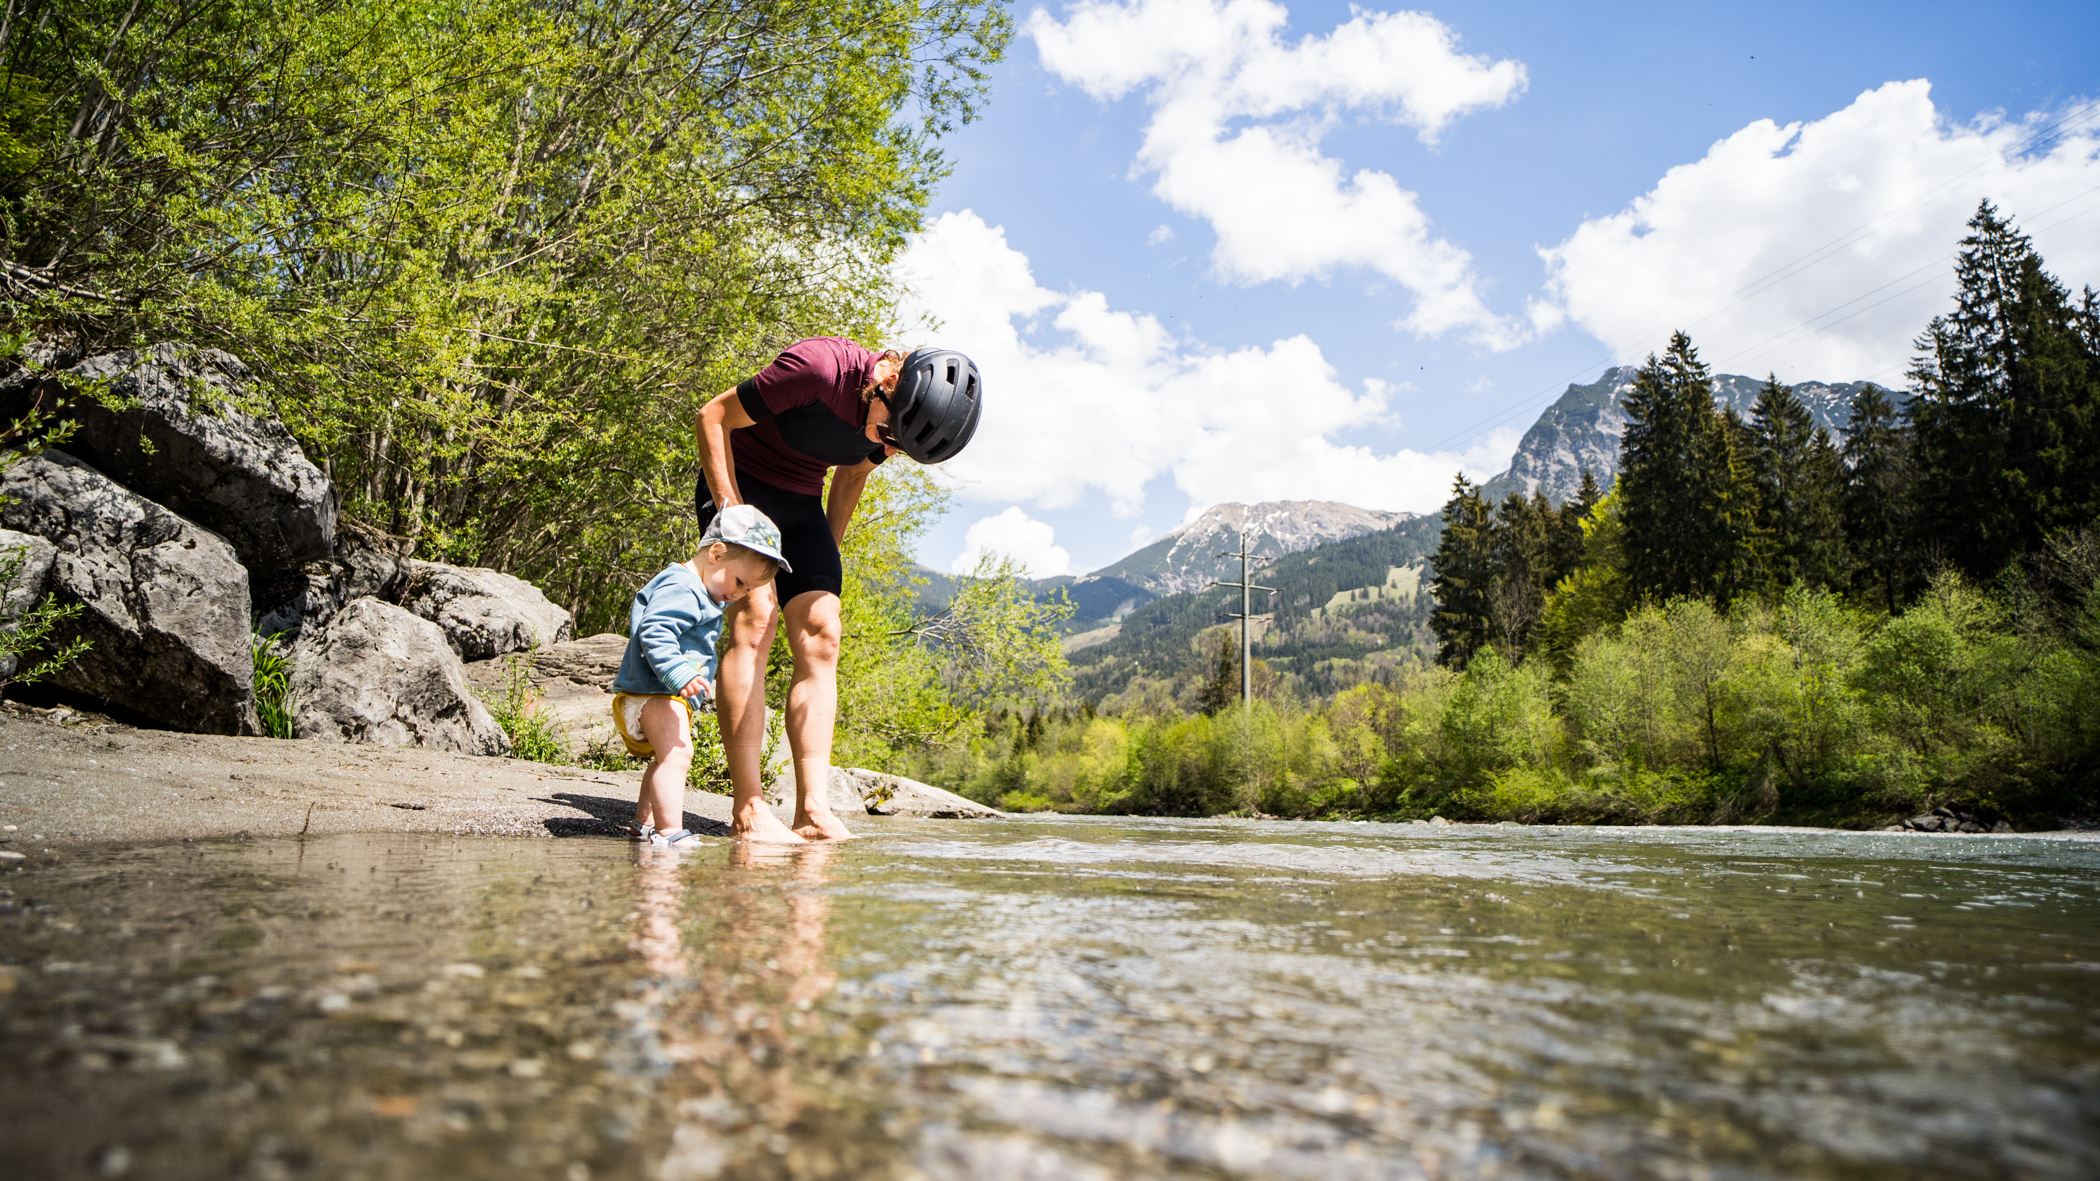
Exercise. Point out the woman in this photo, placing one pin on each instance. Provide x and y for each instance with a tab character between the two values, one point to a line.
826	406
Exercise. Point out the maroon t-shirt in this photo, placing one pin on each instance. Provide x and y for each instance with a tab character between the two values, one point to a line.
809	415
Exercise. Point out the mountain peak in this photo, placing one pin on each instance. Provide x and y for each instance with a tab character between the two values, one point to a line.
1582	430
1188	558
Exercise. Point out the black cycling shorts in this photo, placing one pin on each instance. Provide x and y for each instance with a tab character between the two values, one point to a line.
805	534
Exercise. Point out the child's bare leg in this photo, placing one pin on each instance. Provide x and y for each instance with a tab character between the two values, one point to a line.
663	782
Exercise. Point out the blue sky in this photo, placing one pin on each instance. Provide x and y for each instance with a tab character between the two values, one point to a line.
1213	250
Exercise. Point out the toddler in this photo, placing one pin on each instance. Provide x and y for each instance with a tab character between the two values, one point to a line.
670	662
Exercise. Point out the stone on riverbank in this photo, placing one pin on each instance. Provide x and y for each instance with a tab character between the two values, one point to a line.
855	790
165	600
377	673
187	443
484	613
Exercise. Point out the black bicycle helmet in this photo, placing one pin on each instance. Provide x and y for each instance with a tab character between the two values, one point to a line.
933	411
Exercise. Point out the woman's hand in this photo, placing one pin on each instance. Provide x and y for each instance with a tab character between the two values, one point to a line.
846	486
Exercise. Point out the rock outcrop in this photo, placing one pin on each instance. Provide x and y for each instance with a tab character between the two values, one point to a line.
366	565
377	673
573	680
484	613
165	601
185	440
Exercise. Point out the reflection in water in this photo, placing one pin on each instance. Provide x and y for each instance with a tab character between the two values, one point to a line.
723	1034
1059	998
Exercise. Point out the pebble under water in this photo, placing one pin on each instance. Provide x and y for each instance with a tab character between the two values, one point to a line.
1058	998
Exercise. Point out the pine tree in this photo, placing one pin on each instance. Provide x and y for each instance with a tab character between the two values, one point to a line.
1220	687
1798	473
1564	549
1879	502
2008	391
1522	571
1688	503
1464	583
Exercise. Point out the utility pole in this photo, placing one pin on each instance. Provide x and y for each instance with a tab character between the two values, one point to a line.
1247	587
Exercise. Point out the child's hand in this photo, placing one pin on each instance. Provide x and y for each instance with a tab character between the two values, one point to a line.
696	688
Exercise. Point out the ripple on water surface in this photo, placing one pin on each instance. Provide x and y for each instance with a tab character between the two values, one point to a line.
1060	998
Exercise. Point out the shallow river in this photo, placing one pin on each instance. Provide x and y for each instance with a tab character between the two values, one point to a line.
1060	998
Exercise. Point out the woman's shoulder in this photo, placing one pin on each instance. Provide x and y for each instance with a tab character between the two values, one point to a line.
834	354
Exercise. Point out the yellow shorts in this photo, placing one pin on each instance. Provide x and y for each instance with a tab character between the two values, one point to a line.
627	719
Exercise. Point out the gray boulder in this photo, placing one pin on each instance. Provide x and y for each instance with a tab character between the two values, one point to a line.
846	799
187	442
573	683
484	613
367	564
378	674
165	600
27	561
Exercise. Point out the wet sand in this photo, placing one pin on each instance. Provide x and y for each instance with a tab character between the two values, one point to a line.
93	781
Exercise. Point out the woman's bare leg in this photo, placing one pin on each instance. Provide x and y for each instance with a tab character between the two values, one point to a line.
740	704
813	709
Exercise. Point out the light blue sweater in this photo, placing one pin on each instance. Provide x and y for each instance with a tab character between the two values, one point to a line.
672	630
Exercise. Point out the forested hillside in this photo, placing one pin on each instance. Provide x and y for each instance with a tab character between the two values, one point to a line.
1341	613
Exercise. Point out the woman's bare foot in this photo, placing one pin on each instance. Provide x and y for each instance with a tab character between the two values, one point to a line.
756	822
820	826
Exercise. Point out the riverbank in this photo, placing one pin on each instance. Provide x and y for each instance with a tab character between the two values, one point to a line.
88	781
94	781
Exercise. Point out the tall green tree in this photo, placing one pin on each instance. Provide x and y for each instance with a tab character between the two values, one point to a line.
1799	476
1879	504
1465	576
486	256
1687	502
2007	409
1521	553
1564	546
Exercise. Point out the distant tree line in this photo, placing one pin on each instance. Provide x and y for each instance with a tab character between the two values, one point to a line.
1754	622
1989	464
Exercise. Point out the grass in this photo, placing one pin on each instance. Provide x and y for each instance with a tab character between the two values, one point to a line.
532	737
274	706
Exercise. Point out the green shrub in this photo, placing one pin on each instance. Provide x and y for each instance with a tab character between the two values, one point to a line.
532	737
274	706
1942	682
25	633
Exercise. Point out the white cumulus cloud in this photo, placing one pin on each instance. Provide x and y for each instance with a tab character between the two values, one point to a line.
1821	249
1014	534
1237	118
1083	398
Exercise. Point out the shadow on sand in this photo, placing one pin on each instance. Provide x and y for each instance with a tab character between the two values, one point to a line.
609	817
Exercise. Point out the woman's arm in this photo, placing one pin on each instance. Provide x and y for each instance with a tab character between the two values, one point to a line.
711	429
846	485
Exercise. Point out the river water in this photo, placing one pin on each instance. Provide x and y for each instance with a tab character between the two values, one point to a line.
1059	998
